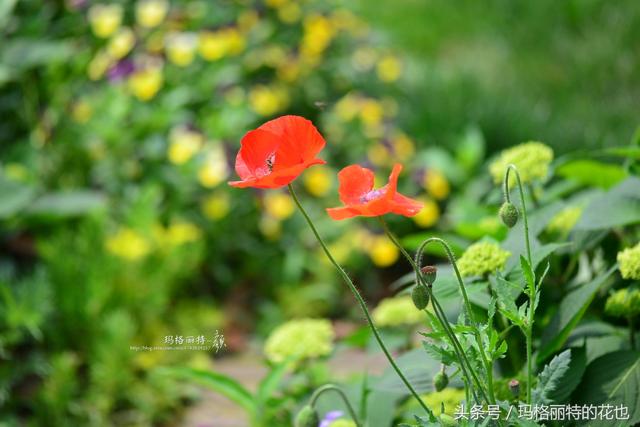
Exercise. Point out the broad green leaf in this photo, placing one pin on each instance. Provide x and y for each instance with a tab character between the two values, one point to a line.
222	384
550	377
507	292
417	367
570	380
592	172
67	203
617	207
613	379
571	310
14	197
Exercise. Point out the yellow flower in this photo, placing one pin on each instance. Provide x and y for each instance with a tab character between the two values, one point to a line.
450	397
128	244
318	180
531	158
383	252
342	422
181	48
364	58
371	112
247	20
436	184
145	83
403	146
151	13
234	40
564	221
99	65
177	233
396	311
389	69
629	262
212	45
378	154
215	168
275	3
121	43
216	206
270	227
81	111
347	108
278	205
623	303
300	339
183	145
429	215
318	33
105	19
290	13
482	258
289	70
267	100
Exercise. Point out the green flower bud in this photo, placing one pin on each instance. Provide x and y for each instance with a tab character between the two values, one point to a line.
509	214
307	417
429	272
420	297
440	381
447	421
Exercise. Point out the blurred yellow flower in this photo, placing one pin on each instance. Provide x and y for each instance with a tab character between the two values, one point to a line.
318	180
151	13
184	143
235	40
275	3
268	100
429	215
382	251
378	154
403	146
396	311
318	33
300	339
290	12
99	65
389	68
278	205
451	398
214	45
105	19
289	70
177	233
364	58
215	168
121	43
128	244
347	108
145	83
371	112
216	206
532	159
234	96
181	48
270	227
16	172
436	184
564	221
247	20
81	111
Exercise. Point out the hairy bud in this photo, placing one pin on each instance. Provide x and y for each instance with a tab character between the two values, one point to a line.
514	387
429	273
440	381
420	297
307	417
509	214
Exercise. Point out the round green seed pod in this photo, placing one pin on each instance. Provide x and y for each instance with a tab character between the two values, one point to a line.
420	297
447	420
509	214
307	417
440	381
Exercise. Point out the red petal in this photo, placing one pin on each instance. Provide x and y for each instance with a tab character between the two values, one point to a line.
355	182
403	205
256	147
300	141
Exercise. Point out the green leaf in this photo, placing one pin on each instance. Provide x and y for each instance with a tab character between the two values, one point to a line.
592	173
529	276
616	207
550	376
270	383
571	310
222	384
417	367
613	379
572	377
506	293
67	203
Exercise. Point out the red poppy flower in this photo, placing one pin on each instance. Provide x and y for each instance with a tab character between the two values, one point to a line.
360	199
277	152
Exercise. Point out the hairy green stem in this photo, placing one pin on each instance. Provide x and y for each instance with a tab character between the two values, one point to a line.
532	290
488	365
440	314
331	387
360	300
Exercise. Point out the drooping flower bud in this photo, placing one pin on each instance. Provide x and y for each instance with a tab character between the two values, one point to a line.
440	381
429	272
307	417
514	387
509	214
420	297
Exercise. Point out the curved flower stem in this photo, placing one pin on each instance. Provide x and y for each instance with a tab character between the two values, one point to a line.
532	292
316	394
360	300
480	342
440	314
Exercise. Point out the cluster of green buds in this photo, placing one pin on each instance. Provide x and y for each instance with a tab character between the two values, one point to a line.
623	303
420	294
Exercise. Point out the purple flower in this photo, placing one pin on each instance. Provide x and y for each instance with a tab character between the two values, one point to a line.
121	70
329	417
